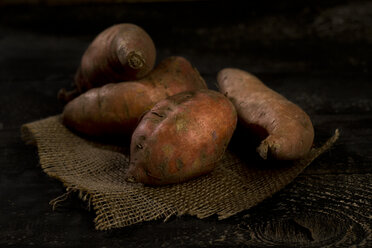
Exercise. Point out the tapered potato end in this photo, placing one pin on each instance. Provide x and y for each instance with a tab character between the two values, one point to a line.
136	60
263	149
269	149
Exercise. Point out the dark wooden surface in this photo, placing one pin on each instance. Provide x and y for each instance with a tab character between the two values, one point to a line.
316	53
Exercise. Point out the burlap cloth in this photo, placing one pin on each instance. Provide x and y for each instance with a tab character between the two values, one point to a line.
96	171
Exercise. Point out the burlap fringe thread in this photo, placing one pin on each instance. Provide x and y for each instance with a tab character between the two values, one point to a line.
96	171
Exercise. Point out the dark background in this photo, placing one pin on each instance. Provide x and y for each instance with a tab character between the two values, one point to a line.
316	53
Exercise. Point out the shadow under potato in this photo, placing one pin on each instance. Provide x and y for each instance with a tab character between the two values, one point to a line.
244	143
108	142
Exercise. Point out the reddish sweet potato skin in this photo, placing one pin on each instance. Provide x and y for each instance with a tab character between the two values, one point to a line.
289	128
120	53
114	110
181	137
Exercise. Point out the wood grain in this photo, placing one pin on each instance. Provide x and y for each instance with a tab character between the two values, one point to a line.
314	211
332	210
311	212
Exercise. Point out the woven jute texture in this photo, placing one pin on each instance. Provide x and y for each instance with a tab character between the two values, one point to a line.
97	171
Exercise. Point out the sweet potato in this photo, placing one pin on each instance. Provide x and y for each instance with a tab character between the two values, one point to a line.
181	137
120	53
115	109
288	129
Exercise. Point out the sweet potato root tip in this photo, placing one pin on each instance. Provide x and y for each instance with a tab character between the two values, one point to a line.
136	60
265	149
65	96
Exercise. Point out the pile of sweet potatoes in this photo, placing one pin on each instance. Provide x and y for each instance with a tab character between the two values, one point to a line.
178	128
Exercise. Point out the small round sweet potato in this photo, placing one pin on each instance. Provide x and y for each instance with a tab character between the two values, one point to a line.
181	137
288	129
121	52
115	109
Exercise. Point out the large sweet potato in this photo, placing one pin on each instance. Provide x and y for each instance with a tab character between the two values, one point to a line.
115	109
288	129
120	53
181	137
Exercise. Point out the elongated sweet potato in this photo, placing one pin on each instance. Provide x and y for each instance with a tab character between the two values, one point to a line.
288	129
181	138
120	53
115	109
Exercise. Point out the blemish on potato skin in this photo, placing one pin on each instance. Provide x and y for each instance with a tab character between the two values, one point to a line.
126	109
140	92
163	167
196	163
214	135
179	164
168	150
146	153
154	120
163	83
181	123
157	114
204	158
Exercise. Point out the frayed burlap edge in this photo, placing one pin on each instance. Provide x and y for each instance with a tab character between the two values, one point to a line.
97	171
